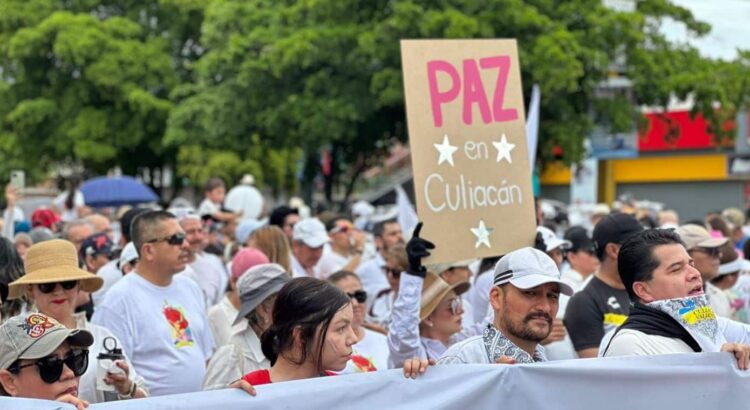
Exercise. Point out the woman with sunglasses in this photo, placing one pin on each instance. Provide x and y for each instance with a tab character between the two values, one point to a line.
426	316
52	283
371	351
42	359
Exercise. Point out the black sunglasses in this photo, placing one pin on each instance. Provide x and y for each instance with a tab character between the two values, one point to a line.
360	295
51	367
50	287
711	252
175	240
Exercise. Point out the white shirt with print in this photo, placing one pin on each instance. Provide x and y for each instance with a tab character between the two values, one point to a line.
163	329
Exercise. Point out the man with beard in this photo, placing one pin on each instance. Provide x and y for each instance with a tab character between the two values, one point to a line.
159	316
372	273
670	312
524	297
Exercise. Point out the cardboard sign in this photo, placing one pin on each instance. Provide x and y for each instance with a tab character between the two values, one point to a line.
465	112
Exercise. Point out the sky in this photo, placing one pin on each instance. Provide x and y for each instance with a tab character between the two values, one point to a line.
730	26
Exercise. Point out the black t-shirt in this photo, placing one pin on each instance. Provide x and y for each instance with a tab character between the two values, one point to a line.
593	312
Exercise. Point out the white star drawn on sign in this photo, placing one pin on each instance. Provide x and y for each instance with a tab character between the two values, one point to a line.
483	235
446	151
503	149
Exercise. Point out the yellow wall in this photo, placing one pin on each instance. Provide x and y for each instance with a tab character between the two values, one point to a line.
680	168
711	167
671	169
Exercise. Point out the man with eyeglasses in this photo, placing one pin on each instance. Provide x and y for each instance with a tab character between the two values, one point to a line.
524	298
706	253
159	316
42	359
345	252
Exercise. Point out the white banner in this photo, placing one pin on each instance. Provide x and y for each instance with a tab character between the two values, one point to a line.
689	381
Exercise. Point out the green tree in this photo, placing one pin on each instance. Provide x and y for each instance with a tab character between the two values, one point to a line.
326	74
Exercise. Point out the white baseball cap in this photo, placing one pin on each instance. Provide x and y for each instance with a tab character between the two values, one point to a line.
311	232
527	268
128	254
551	241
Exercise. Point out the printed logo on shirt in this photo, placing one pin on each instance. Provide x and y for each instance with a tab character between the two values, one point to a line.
615	319
177	320
363	364
613	303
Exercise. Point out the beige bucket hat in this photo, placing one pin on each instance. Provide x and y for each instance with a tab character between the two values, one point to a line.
434	289
53	261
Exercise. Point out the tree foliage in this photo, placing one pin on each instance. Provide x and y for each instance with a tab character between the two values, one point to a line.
262	86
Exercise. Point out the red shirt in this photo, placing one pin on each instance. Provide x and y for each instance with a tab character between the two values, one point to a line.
259	377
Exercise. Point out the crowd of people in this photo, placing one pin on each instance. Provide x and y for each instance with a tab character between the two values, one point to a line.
187	299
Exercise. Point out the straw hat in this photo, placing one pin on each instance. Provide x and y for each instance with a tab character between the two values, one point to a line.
434	290
53	261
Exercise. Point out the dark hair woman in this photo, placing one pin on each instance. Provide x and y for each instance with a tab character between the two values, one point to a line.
311	333
11	269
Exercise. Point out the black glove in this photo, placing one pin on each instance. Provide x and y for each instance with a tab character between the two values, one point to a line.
416	249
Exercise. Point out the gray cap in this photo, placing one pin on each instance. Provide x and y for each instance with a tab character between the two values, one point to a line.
257	284
34	335
527	268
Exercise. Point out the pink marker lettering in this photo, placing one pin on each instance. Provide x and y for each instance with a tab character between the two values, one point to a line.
474	93
503	64
438	98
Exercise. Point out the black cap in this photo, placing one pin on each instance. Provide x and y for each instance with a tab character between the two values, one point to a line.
579	239
615	228
279	214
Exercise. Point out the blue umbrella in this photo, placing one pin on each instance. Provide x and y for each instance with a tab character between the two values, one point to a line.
116	191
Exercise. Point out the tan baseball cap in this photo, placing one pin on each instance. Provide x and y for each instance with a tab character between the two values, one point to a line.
696	236
34	335
442	267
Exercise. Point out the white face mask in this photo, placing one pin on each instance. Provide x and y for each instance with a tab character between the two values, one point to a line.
694	314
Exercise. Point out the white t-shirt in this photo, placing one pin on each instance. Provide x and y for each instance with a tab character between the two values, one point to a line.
718	300
370	354
220	318
68	215
209	273
110	273
479	296
373	278
330	263
163	329
628	342
631	342
208	207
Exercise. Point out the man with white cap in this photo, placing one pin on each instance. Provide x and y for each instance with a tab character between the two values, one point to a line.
42	359
308	237
527	286
706	253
